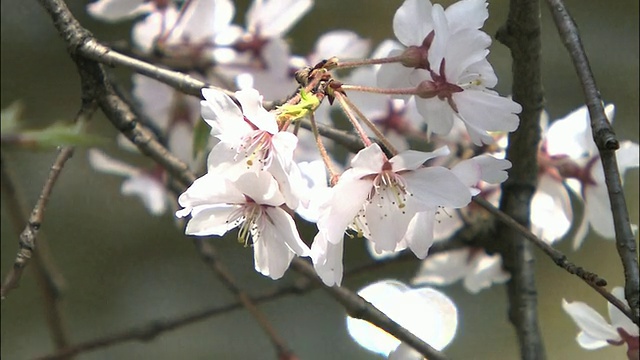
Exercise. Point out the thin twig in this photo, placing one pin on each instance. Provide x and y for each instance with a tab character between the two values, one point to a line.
359	308
592	279
607	143
29	235
521	34
209	256
151	330
50	280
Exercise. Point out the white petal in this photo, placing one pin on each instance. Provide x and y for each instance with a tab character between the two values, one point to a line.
486	270
347	199
261	187
370	159
151	191
212	220
114	10
271	255
252	109
551	212
104	163
437	186
437	114
598	207
444	268
222	114
275	17
411	159
467	14
590	321
618	319
588	342
202	19
419	236
287	231
327	260
412	22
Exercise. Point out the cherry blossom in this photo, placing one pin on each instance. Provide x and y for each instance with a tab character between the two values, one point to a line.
378	198
596	332
147	185
252	202
425	312
569	153
250	141
446	61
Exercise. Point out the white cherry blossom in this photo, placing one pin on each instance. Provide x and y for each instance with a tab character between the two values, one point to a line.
253	202
446	60
250	141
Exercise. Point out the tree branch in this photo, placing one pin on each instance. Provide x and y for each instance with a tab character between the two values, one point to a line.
29	235
521	34
607	143
50	280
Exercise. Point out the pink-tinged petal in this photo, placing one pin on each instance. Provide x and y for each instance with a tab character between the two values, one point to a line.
590	321
419	236
437	186
411	159
469	172
106	164
467	14
486	270
274	18
261	187
492	170
115	10
437	114
271	255
213	220
151	191
290	182
618	319
551	212
370	159
411	22
327	260
252	109
440	43
444	268
287	231
466	51
347	199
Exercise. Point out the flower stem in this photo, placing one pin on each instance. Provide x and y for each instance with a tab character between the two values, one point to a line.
354	121
376	90
350	64
383	139
323	151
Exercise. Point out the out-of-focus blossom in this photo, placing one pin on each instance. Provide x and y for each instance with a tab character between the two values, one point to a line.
425	312
596	332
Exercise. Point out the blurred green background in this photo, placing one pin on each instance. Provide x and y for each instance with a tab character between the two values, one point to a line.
124	267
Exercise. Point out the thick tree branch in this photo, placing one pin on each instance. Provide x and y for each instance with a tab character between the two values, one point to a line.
607	143
521	34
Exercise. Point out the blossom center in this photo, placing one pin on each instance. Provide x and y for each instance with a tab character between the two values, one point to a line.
256	149
253	223
390	187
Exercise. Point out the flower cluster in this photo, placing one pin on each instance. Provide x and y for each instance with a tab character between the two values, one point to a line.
433	85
